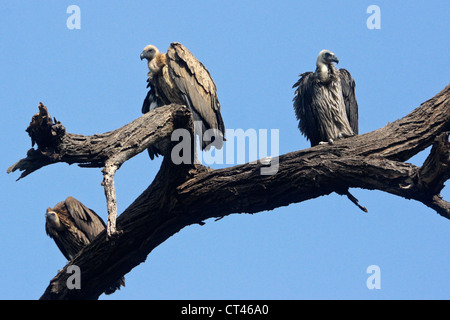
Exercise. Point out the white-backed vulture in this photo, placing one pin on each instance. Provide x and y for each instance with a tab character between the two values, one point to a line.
325	102
178	77
73	226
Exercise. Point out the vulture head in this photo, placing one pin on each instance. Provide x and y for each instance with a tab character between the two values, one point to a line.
154	58
326	57
325	65
53	220
149	52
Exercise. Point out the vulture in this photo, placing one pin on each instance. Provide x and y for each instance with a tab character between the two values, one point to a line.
178	77
326	107
73	226
325	102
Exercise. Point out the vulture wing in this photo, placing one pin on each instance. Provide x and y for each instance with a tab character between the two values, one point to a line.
198	90
303	108
151	101
84	218
351	105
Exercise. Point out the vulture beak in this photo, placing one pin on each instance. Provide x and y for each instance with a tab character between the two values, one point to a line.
142	56
333	58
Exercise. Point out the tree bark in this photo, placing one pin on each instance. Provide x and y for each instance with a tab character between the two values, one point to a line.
181	195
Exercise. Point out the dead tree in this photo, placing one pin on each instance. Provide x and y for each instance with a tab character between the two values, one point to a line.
185	194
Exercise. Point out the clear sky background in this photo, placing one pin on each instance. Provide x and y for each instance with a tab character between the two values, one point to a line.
93	81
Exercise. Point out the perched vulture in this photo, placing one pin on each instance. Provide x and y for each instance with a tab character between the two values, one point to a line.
178	77
325	102
73	226
326	106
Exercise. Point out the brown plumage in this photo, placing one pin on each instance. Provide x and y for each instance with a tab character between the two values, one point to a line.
73	226
178	77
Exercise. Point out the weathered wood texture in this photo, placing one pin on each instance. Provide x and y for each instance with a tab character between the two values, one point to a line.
56	145
183	195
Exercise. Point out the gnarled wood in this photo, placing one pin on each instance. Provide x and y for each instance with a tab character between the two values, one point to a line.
57	145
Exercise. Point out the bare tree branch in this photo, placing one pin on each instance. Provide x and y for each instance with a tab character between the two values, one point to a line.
109	150
56	145
436	168
185	194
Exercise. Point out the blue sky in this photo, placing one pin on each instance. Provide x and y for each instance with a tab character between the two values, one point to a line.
93	81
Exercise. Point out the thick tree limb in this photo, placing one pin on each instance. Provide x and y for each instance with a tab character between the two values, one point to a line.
183	195
56	145
109	150
436	168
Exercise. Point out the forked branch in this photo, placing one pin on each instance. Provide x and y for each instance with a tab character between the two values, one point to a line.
109	150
